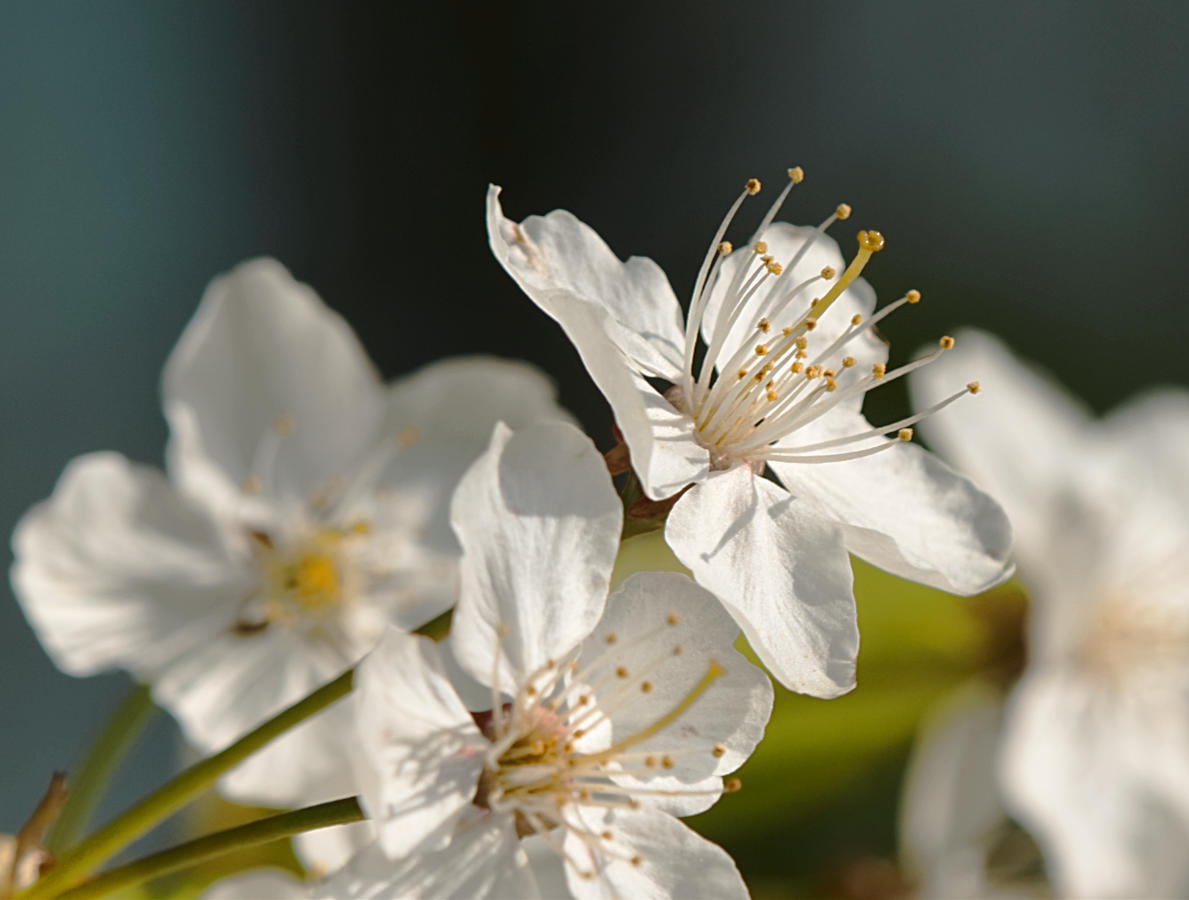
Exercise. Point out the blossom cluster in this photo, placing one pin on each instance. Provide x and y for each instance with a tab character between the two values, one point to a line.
524	723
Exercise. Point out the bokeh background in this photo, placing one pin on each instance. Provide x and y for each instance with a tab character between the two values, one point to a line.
1026	162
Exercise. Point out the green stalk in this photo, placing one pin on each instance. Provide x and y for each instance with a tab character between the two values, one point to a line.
336	812
86	784
165	801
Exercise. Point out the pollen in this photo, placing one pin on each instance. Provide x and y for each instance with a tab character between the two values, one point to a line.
796	174
813	371
913	296
797	368
753	186
856	319
848	362
761	350
761	247
946	342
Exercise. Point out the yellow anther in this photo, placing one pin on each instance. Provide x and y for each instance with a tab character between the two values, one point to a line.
831	384
667	761
760	248
800	354
871	240
802	342
719	751
645	687
810	324
856	319
913	296
637	861
676	649
284	424
621	672
974	387
650	762
797	368
742	374
829	373
775	268
796	174
732	786
879	370
946	342
905	434
611	637
787	330
753	186
847	362
813	372
842	211
725	248
761	350
773	396
767	258
672	618
764	325
828	273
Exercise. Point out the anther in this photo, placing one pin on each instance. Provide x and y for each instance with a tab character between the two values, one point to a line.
842	211
719	751
810	324
856	319
764	325
813	371
650	762
946	342
676	649
802	342
605	835
672	618
742	374
871	240
761	350
621	672
829	373
831	384
645	687
667	761
611	637
905	434
847	362
913	296
775	268
974	387
796	174
879	370
732	786
797	368
828	273
637	861
773	396
787	330
761	248
725	248
753	186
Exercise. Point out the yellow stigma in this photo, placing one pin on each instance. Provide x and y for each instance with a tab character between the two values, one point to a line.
796	174
869	242
753	186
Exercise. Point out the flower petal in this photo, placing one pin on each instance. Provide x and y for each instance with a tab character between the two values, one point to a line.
692	635
904	510
115	570
263	346
1016	439
671	860
421	742
484	860
558	254
781	572
665	454
539	524
1154	427
258	884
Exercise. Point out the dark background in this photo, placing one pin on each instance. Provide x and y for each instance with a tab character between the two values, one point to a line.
1026	162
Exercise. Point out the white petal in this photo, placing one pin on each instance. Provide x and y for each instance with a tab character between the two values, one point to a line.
258	884
664	453
1154	428
539	523
674	861
484	860
421	741
558	254
1017	438
1101	780
327	850
781	572
784	241
115	570
441	417
905	511
732	711
260	346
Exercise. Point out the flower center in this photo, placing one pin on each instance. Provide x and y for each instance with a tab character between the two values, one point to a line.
765	374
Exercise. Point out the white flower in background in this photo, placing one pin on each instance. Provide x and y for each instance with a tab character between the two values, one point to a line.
790	353
20	866
1096	751
305	510
609	716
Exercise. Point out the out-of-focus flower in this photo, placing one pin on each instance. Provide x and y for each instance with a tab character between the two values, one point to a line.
609	716
19	867
1096	750
259	884
790	353
305	510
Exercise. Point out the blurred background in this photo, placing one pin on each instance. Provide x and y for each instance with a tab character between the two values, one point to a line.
1026	163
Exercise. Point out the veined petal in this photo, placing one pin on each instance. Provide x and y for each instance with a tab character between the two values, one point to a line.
781	572
421	742
115	570
904	510
558	254
716	733
1016	439
441	417
263	348
539	524
484	860
670	860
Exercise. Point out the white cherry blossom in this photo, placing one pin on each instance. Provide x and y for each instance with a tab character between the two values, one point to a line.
305	510
790	352
1096	749
608	717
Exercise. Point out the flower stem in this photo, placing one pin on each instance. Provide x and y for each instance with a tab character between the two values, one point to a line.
86	785
165	801
336	812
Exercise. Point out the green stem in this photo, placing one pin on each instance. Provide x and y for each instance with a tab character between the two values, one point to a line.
87	783
165	801
336	812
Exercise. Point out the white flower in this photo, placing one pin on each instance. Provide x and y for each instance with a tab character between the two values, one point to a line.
780	386
17	874
608	716
305	510
1096	751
